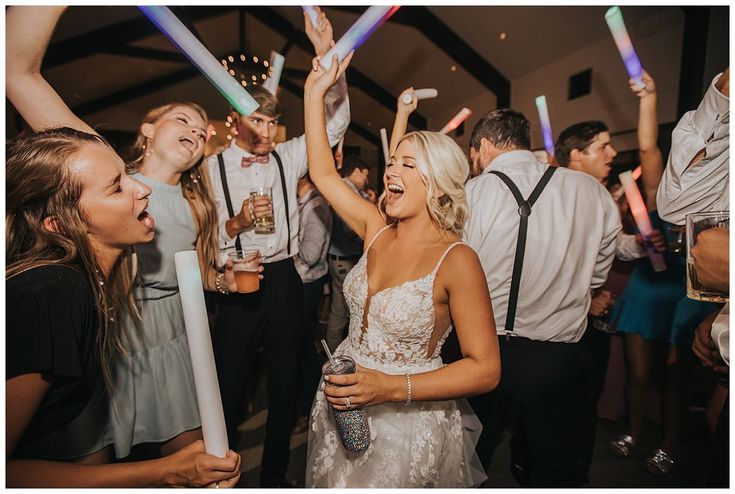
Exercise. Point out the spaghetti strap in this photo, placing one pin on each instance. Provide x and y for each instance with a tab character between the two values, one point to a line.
376	236
441	259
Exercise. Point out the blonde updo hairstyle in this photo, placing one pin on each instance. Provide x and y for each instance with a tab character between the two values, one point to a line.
444	169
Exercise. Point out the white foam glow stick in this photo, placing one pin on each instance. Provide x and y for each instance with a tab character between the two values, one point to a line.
356	35
340	144
195	51
276	64
384	142
640	215
420	94
202	357
460	117
312	13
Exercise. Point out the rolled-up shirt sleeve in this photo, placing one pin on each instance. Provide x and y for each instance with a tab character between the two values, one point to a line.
611	230
702	186
627	249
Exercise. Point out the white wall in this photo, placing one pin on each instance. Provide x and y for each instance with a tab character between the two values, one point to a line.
658	41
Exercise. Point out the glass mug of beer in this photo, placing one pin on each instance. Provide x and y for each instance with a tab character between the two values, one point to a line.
245	265
263	223
696	223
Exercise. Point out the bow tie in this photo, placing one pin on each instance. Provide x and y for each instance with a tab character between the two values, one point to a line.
249	160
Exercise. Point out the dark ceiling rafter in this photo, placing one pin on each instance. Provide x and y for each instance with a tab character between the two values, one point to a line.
147	53
356	78
109	37
452	44
358	129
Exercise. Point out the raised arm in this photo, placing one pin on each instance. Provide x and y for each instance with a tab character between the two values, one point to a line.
652	165
400	124
28	31
358	213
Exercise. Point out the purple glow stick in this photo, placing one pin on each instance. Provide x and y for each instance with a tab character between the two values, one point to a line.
543	115
356	35
614	19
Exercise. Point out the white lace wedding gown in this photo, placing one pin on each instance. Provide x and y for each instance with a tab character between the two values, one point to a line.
424	444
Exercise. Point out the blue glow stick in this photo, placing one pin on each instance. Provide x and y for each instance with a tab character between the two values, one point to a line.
195	51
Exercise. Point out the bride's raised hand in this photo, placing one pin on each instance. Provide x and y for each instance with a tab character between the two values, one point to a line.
364	387
320	80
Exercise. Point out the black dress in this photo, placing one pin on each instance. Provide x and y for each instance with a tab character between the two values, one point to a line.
52	329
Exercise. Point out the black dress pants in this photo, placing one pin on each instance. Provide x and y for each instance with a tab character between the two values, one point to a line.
549	384
271	317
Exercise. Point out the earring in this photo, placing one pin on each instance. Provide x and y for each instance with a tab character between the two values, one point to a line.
148	150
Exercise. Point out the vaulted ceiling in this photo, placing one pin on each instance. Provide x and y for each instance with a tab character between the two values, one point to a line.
111	64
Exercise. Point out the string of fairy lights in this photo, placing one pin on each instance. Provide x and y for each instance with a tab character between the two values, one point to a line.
251	70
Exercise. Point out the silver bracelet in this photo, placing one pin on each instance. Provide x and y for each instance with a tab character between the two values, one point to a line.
408	385
219	285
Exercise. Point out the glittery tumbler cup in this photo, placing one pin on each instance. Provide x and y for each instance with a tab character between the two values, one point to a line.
352	425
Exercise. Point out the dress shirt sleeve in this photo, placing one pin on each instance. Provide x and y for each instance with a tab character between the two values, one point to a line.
611	229
702	186
721	333
316	225
337	109
627	249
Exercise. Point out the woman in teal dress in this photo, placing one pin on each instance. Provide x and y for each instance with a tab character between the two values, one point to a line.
655	314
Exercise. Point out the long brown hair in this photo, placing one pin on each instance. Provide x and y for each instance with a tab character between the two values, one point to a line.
195	186
40	185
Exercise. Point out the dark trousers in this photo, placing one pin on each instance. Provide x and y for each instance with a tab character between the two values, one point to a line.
271	317
555	430
597	344
719	465
311	363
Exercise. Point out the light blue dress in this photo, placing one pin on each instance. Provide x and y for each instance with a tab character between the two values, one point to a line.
153	397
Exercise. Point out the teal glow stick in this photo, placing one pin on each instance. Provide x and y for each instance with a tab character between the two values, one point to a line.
615	22
195	51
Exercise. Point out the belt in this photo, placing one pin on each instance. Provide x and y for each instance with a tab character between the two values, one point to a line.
343	258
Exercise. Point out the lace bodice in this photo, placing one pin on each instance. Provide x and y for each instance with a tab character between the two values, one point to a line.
399	325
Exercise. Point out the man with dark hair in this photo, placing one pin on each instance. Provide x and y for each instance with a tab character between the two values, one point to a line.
586	147
545	237
272	316
344	252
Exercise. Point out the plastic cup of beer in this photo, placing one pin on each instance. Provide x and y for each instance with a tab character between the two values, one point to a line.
696	223
264	223
245	265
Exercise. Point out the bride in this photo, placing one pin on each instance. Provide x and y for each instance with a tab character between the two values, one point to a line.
414	282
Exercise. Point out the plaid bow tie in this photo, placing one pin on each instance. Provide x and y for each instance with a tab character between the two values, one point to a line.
249	160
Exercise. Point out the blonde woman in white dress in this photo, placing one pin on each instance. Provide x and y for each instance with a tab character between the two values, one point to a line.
414	283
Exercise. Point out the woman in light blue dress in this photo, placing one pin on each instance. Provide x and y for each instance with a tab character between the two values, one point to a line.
154	399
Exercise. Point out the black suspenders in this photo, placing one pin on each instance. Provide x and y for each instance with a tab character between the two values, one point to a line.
524	211
228	200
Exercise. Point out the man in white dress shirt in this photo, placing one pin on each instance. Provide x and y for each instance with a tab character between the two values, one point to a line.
272	316
571	233
696	179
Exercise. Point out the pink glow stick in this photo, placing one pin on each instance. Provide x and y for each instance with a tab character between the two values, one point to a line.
460	117
640	215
